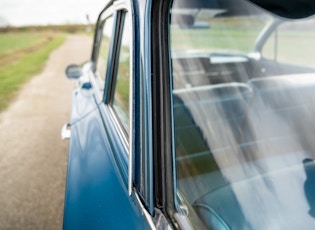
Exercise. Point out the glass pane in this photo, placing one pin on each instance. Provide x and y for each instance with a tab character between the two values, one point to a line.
243	120
121	97
104	47
285	43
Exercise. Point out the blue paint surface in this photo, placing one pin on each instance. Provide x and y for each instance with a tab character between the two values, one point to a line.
96	195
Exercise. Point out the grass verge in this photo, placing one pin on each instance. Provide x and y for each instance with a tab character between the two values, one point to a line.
13	75
10	42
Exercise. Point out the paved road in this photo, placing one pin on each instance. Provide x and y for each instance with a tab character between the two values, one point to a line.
33	159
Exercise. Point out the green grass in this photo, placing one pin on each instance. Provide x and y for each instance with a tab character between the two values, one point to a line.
14	74
10	42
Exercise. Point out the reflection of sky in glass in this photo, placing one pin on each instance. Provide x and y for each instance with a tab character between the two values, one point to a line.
127	32
108	27
33	12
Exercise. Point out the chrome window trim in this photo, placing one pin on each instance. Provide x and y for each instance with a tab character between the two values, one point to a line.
131	115
145	213
102	17
122	6
158	221
120	129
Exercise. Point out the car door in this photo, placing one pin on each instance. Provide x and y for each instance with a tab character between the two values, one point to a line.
97	177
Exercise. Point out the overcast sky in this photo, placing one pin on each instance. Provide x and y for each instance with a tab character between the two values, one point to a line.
43	12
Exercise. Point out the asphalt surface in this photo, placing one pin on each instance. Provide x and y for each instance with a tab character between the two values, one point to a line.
33	158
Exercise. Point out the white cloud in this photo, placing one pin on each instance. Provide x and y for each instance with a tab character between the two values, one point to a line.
30	12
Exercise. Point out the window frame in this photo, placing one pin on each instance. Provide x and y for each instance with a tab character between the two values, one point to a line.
105	96
106	13
112	84
163	137
111	78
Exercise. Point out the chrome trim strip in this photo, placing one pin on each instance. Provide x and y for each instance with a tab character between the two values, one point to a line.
118	126
131	106
156	222
144	212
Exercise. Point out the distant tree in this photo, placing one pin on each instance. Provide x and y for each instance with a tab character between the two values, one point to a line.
88	27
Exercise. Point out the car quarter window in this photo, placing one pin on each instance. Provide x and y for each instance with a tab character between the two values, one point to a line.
285	43
106	33
120	101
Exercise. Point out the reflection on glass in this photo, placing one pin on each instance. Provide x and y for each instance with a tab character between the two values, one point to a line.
121	97
244	121
107	27
285	43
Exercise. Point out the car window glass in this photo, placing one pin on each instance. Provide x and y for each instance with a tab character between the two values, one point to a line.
292	42
107	30
243	120
121	95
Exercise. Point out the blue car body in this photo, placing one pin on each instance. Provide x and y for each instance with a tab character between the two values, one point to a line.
181	120
97	195
91	175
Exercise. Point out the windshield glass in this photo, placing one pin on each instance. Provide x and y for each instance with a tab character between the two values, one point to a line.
243	104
